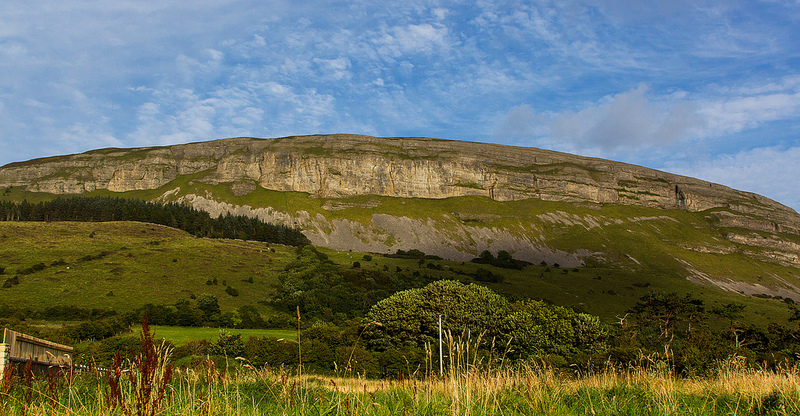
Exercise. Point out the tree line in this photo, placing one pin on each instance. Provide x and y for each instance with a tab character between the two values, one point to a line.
397	334
187	218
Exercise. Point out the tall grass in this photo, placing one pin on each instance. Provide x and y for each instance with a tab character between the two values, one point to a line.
473	385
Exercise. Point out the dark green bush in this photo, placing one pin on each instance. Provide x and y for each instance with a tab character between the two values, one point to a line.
230	345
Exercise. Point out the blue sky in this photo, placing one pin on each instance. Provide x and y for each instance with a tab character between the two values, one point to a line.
709	89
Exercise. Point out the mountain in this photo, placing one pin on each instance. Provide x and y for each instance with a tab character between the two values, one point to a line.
455	199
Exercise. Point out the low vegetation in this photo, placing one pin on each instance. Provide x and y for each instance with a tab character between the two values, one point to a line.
147	384
183	217
365	339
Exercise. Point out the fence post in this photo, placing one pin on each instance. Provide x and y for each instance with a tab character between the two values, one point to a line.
4	349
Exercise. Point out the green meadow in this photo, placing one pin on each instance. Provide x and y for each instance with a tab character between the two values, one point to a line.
123	266
180	335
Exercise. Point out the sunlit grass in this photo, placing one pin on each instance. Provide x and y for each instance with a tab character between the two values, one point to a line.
473	390
148	263
132	264
179	335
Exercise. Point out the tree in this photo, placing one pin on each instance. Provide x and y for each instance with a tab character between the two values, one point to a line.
188	314
504	256
794	313
536	328
590	334
209	305
669	315
732	312
250	318
410	318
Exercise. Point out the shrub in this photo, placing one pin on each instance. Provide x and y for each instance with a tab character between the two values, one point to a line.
271	351
11	281
231	291
535	327
483	275
208	304
35	268
230	345
503	260
408	318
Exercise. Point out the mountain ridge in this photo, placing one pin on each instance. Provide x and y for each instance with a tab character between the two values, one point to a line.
454	199
349	165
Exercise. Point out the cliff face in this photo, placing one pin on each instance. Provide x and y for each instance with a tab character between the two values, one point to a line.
347	165
545	206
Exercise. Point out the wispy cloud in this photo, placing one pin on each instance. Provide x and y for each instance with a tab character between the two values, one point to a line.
647	83
749	107
625	122
766	171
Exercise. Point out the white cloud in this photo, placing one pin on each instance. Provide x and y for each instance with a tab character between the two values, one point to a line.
334	69
772	172
621	125
11	50
80	137
191	68
30	102
522	122
737	113
423	38
624	122
179	116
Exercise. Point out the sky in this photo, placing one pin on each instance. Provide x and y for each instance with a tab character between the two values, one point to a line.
708	89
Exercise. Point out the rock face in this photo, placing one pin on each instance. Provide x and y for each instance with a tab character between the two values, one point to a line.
350	177
348	165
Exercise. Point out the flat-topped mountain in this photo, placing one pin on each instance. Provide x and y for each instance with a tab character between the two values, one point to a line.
363	193
350	165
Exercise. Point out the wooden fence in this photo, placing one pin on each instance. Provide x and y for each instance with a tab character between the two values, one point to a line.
18	348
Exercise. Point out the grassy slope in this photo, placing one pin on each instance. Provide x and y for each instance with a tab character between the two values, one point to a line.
145	264
638	251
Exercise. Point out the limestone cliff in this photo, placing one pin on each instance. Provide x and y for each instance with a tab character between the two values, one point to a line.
351	177
347	165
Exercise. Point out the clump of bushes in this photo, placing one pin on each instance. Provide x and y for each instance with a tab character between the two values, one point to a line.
503	260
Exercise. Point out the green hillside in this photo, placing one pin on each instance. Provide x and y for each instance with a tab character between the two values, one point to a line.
123	266
599	234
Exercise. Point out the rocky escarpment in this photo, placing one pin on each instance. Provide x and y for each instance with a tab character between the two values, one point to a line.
347	165
444	236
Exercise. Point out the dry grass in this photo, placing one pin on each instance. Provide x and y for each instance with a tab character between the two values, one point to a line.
468	388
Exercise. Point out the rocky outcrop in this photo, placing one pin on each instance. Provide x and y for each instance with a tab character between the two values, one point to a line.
347	165
444	237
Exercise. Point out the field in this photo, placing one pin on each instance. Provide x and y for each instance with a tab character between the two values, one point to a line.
471	390
125	265
122	266
181	335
